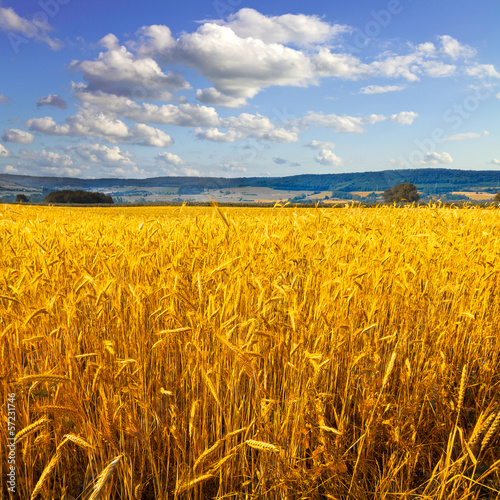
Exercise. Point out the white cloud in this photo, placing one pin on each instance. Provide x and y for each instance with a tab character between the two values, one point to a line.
153	40
46	158
90	122
190	172
340	124
4	152
328	158
149	136
321	145
20	30
297	29
427	48
184	115
117	71
214	135
170	159
255	126
327	63
494	161
482	71
16	135
353	124
96	153
453	48
213	96
4	99
278	135
404	118
52	100
248	52
466	135
48	126
238	67
435	158
438	69
377	89
9	169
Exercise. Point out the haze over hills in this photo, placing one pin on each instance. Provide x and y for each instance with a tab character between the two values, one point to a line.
445	183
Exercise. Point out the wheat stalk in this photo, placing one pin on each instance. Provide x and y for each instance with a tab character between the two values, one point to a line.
183	487
260	445
31	428
104	476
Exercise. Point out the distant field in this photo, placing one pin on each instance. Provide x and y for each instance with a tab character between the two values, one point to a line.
366	193
476	196
210	353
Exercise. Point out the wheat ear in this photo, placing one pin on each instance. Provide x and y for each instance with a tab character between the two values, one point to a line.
104	477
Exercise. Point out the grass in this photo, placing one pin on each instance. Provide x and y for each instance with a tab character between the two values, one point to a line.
190	352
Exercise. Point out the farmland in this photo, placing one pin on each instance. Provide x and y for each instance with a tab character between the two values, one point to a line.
189	352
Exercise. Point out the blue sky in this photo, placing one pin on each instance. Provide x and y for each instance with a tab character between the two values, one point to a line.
142	88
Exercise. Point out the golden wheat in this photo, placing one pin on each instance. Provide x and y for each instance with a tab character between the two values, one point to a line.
358	346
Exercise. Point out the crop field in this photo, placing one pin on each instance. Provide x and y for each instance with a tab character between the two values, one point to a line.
248	353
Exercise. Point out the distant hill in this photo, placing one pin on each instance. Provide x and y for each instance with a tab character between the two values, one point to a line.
429	181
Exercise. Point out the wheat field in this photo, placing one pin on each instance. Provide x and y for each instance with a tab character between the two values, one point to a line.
215	353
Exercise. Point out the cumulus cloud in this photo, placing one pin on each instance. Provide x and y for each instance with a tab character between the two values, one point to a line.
377	89
249	52
238	67
20	30
184	115
354	124
117	71
90	122
4	152
321	145
437	158
279	161
96	153
247	125
328	158
170	159
213	96
404	118
297	29
482	71
327	63
4	99
453	48
16	135
52	100
46	158
215	135
10	169
494	161
438	69
465	136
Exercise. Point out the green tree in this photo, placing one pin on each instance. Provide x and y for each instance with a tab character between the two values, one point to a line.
78	196
21	198
497	197
402	192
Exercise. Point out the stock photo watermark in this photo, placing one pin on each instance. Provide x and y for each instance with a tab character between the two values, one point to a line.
11	443
38	27
380	20
223	8
455	116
